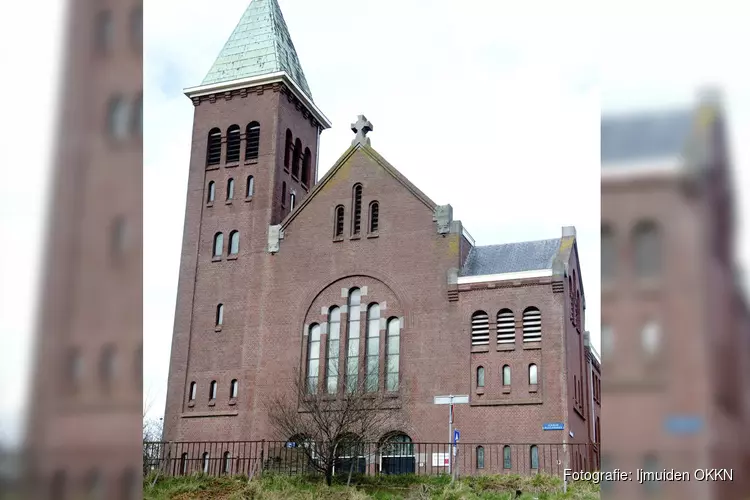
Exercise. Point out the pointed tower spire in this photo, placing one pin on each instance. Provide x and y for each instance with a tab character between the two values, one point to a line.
259	45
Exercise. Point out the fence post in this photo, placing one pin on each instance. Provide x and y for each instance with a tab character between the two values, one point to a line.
262	455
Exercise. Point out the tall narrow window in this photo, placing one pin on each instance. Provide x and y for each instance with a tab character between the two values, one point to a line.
374	217
532	325
74	370
118	118
213	154
533	372
193	391
480	376
480	457
357	210
313	359
136	120
647	249
220	315
205	462
339	222
506	327
233	144
136	28
306	167
283	195
234	243
332	354
480	328
506	376
211	192
507	459
104	32
234	389
107	366
252	145
534	458
226	466
352	356
393	349
230	189
250	187
373	347
288	147
218	244
296	158
214	389
183	463
292	201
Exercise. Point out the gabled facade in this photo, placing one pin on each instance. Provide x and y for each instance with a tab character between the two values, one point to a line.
361	276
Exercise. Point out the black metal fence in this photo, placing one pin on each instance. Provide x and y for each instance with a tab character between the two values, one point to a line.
252	458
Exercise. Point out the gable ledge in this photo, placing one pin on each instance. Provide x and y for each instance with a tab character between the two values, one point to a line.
539	273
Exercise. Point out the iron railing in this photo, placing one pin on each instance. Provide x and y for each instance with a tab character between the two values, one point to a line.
284	457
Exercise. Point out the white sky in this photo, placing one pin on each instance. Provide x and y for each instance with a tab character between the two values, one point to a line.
491	106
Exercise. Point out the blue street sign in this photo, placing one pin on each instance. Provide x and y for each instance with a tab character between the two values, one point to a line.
291	444
683	424
553	426
456	436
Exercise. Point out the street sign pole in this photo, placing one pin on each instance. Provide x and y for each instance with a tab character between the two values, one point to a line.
450	401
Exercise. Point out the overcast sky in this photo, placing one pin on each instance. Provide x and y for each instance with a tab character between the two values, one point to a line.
491	106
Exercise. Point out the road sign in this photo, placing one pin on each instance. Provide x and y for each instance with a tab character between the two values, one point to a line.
683	424
553	426
451	400
456	436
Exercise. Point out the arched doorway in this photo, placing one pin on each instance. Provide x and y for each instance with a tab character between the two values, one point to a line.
397	454
349	453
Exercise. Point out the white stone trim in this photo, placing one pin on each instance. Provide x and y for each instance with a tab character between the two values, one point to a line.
466	235
655	167
540	273
280	76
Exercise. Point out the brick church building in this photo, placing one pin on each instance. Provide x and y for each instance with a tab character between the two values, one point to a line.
286	271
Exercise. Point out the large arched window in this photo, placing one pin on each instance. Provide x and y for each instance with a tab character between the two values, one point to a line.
480	457
218	244
338	225
213	151
220	315
532	325
533	374
313	358
393	349
506	327
211	192
480	376
357	210
234	243
374	217
647	249
233	144
296	158
230	189
332	354
534	457
397	455
288	147
507	458
306	167
252	138
352	356
506	376
372	365
480	328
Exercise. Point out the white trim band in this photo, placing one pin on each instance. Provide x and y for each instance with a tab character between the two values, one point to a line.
539	273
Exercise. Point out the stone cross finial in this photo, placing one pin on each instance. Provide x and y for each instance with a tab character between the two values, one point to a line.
361	128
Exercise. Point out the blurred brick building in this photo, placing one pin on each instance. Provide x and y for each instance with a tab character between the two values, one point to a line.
359	275
85	405
675	323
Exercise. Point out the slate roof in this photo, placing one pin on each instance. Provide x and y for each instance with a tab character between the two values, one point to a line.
259	45
511	257
645	136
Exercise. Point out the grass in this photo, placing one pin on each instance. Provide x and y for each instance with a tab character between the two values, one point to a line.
400	487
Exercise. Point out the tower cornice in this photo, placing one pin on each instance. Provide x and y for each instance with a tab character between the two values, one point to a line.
195	93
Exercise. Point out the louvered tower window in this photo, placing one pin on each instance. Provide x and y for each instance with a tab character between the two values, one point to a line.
532	325
252	146
506	327
213	156
233	144
374	216
357	210
480	328
339	224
